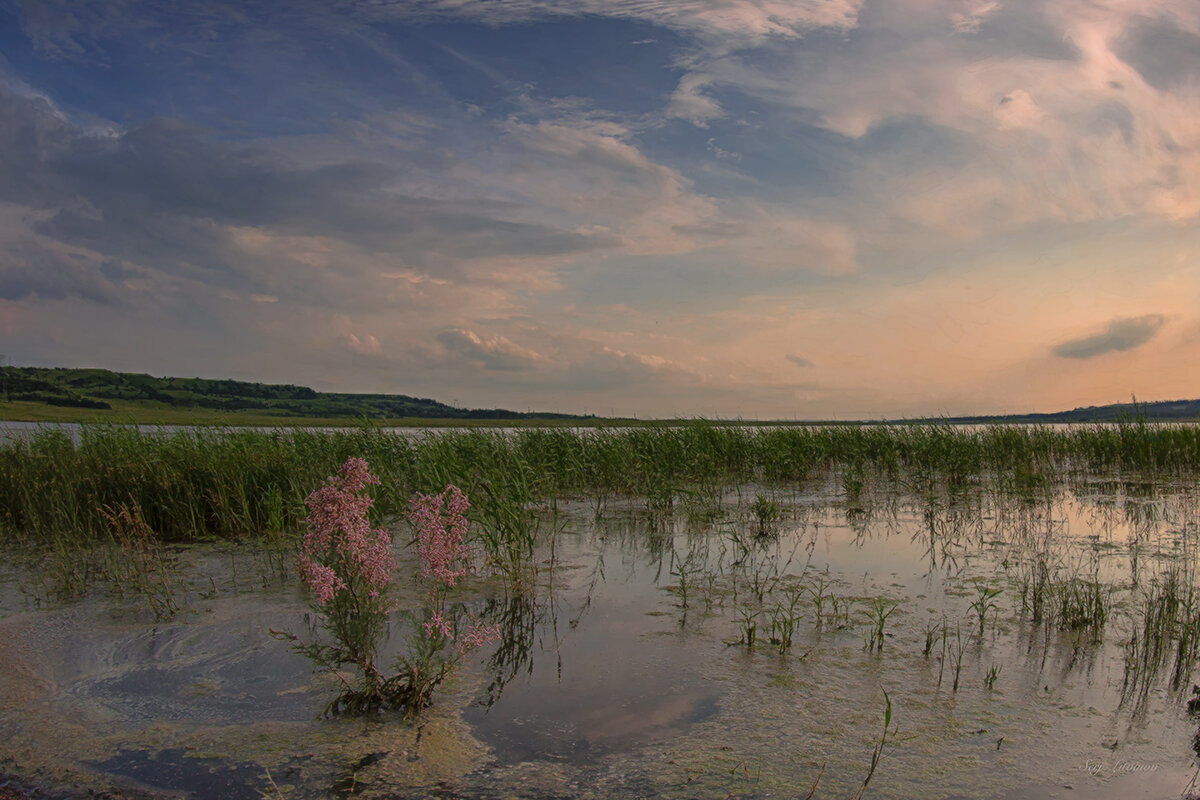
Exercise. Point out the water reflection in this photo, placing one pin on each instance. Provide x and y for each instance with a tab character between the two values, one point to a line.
1015	607
598	684
1019	635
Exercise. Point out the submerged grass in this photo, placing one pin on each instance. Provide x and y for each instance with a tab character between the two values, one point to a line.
1166	633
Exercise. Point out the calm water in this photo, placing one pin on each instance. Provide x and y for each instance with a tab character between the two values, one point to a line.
23	430
627	673
27	430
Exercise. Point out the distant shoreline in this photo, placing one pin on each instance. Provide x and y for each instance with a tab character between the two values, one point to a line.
82	396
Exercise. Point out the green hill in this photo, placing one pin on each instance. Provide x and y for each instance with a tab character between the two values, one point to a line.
104	390
62	394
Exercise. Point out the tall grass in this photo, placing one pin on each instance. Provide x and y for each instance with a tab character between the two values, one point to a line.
1166	632
204	482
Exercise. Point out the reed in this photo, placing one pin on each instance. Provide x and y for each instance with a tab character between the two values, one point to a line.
879	609
784	617
197	483
984	602
877	753
1166	632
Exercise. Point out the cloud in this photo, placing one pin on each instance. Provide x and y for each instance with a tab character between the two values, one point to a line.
590	170
185	204
366	345
490	352
689	101
770	238
1038	116
728	22
418	206
1124	333
614	370
970	17
776	239
31	270
1018	109
1163	54
165	173
66	27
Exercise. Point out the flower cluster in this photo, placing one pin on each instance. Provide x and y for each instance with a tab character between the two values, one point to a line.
477	634
340	551
444	556
348	566
441	523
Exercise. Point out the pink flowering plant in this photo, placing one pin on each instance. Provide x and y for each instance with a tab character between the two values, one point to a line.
348	567
447	632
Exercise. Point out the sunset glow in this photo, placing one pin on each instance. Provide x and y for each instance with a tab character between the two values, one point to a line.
820	209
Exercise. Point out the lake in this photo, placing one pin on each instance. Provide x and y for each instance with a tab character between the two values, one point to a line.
746	651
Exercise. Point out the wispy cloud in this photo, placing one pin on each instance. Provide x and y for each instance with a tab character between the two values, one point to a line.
591	170
740	21
971	14
492	352
642	204
39	271
691	103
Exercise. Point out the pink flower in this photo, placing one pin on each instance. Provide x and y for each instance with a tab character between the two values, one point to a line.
340	549
444	555
437	622
441	523
321	580
477	636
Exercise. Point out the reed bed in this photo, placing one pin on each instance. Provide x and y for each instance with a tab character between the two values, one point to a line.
202	483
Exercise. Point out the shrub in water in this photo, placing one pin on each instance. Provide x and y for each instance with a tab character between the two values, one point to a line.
348	567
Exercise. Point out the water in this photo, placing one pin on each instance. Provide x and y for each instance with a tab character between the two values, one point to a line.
627	673
19	431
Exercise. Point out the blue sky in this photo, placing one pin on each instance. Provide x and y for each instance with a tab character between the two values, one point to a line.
757	208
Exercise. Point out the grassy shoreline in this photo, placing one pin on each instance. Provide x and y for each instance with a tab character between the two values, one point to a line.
233	482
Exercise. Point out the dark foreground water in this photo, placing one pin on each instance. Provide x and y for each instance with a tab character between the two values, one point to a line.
629	671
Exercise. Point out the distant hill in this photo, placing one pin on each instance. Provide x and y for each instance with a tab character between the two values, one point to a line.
104	390
96	388
1161	411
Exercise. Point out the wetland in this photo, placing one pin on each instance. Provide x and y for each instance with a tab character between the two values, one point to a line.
683	612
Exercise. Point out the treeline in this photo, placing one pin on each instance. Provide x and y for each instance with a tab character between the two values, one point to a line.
95	388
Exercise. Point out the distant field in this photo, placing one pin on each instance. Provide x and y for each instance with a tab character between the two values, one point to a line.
125	412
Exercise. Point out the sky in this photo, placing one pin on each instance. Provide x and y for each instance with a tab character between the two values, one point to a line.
772	209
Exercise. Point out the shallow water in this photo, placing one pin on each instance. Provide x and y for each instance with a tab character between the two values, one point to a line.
626	673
